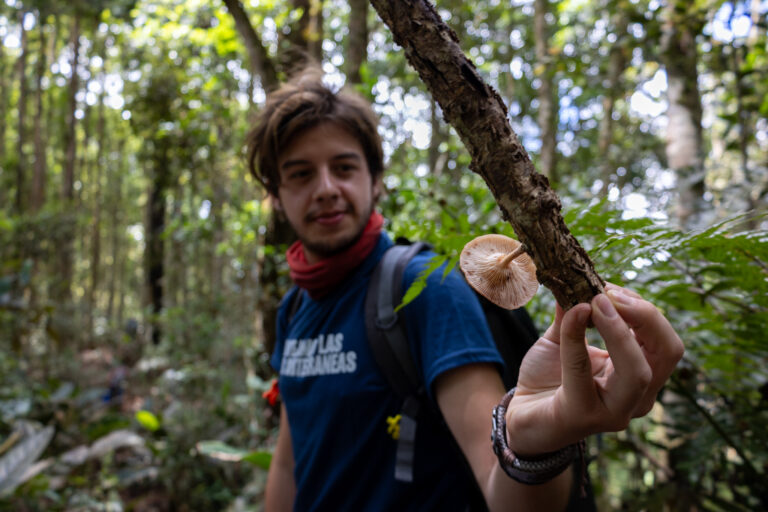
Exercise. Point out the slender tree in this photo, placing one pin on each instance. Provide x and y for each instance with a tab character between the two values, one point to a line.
616	65
63	286
96	201
3	114
685	140
547	94
21	162
40	167
357	41
260	63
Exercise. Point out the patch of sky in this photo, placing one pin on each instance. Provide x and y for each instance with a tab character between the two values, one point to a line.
205	209
516	39
516	67
332	78
649	101
136	231
641	262
731	22
422	170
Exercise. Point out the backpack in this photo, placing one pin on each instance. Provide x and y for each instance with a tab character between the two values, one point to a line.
391	350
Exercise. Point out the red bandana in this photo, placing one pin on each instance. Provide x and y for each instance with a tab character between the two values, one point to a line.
322	277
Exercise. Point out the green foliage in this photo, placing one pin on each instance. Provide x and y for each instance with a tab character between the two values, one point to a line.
148	420
179	98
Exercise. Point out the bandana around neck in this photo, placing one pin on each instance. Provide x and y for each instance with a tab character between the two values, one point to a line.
321	278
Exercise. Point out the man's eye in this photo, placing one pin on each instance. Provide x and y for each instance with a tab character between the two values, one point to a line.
297	175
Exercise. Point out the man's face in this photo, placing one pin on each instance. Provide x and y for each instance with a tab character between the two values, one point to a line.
326	190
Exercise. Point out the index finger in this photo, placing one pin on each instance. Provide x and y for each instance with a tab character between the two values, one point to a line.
651	328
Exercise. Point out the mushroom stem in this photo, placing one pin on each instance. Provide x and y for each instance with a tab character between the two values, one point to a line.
511	256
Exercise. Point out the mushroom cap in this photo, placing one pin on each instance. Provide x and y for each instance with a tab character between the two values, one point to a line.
509	286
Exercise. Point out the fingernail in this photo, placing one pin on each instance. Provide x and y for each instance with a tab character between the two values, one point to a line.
617	296
605	306
583	315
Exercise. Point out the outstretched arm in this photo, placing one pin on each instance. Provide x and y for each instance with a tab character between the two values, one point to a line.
566	391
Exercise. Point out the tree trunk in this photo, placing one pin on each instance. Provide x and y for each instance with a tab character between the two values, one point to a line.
260	63
278	232
303	43
175	291
3	115
63	286
479	116
685	146
357	41
548	107
21	162
436	158
96	201
616	64
155	248
115	200
40	168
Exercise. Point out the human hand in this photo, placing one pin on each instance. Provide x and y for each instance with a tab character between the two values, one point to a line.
568	390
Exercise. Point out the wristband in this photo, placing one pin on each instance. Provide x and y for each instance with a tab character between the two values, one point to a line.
530	471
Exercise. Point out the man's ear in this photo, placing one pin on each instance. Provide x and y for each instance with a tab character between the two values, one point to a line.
276	204
377	188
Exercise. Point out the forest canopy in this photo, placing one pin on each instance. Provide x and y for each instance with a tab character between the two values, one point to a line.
141	264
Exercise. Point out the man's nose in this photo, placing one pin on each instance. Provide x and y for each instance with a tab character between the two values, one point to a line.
326	184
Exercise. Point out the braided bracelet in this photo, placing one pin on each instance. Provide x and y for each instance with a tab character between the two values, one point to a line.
538	470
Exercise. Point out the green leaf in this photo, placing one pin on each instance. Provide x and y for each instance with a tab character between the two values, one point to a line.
148	420
222	451
259	459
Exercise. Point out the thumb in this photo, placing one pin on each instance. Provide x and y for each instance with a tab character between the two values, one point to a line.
574	356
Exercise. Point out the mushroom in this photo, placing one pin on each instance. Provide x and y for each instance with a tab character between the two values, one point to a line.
498	268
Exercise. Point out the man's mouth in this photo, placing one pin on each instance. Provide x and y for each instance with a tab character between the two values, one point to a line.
329	218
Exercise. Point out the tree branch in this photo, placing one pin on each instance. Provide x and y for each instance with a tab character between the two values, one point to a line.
479	116
257	54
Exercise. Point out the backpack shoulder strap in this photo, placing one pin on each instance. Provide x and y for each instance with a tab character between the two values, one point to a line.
386	335
295	302
391	350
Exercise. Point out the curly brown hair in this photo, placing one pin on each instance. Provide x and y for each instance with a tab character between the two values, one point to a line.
302	103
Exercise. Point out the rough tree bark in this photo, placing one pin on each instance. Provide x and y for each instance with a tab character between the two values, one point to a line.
479	116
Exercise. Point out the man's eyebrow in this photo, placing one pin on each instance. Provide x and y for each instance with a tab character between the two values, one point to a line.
292	163
340	156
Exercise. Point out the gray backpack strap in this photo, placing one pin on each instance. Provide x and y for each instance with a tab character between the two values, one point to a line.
390	347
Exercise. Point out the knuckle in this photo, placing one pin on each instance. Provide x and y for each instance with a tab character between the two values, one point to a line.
643	377
644	407
678	349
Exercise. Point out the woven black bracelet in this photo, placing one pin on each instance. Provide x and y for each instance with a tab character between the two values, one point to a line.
538	470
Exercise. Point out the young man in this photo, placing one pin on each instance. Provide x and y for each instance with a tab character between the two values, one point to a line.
318	154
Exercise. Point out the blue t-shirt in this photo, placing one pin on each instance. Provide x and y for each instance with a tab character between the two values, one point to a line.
340	406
